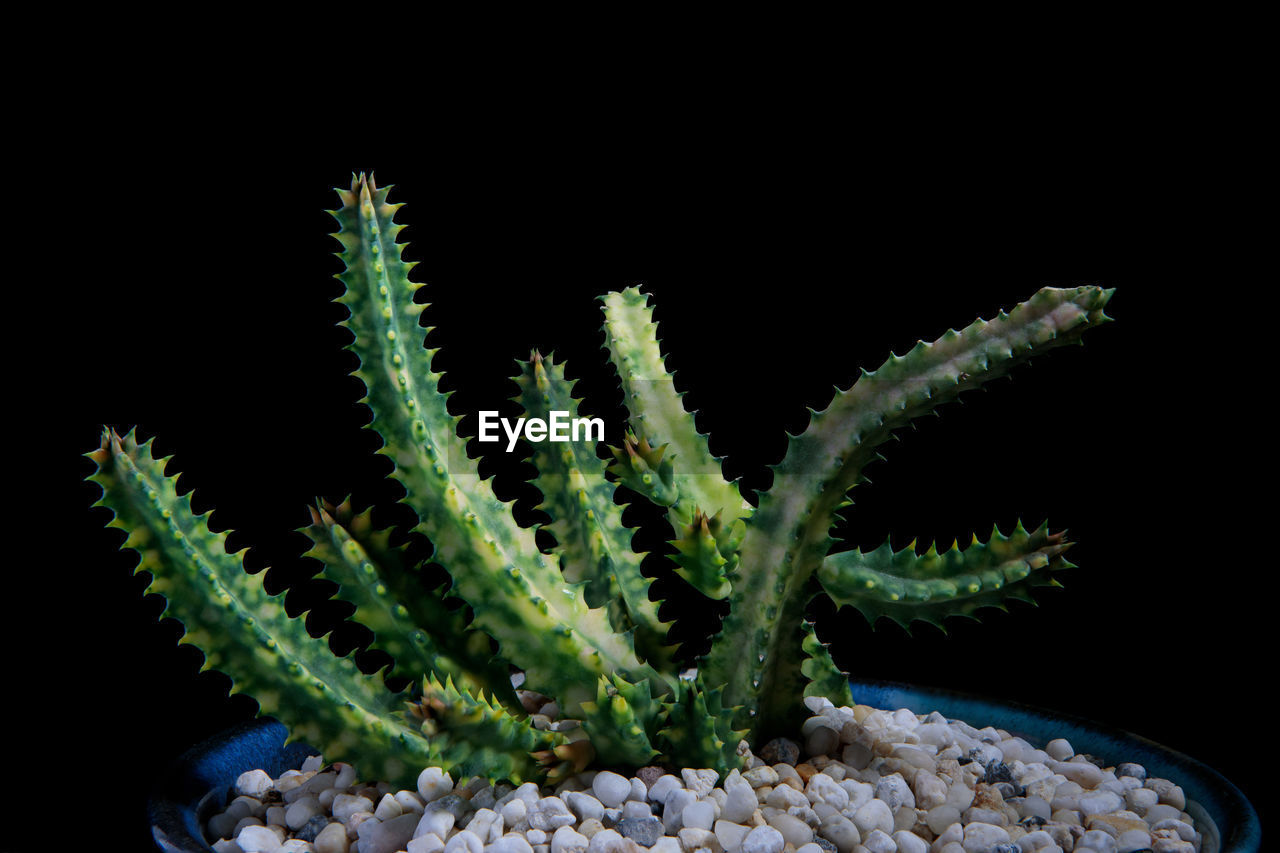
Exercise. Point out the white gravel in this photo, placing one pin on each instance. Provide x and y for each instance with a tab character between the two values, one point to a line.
880	782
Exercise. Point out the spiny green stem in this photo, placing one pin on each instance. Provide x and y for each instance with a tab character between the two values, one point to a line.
658	417
904	586
495	564
411	623
756	654
473	735
245	632
593	545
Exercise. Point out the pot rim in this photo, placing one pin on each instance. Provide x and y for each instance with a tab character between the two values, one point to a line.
198	781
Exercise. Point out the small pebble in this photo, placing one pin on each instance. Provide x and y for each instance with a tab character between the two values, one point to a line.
780	751
697	839
583	805
298	814
794	830
436	823
428	843
874	815
1098	841
1059	749
763	839
550	813
388	807
1133	840
433	783
663	787
566	840
332	839
841	832
609	841
313	828
257	839
346	776
730	835
909	842
1135	771
510	843
759	777
821	740
699	815
514	811
454	804
739	803
246	821
879	842
699	781
636	809
982	837
649	775
387	836
253	783
345	805
610	788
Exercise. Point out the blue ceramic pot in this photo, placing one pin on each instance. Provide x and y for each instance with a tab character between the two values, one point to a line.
196	786
200	780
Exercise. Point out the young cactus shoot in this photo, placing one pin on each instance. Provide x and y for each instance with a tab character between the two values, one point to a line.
579	619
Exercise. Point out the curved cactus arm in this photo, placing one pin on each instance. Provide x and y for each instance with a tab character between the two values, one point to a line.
787	537
904	586
658	417
245	632
593	545
409	622
495	564
474	735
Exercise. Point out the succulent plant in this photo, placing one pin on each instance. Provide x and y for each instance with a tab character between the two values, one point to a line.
577	619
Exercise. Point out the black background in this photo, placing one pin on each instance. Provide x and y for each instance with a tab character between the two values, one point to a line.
198	299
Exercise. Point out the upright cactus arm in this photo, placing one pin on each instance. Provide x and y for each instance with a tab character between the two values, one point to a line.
904	586
700	728
496	567
666	459
409	622
593	544
242	630
657	412
621	721
788	536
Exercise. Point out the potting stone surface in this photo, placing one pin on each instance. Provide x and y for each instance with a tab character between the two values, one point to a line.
855	780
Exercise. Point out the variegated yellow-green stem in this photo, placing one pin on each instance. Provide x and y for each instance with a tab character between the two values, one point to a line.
579	621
